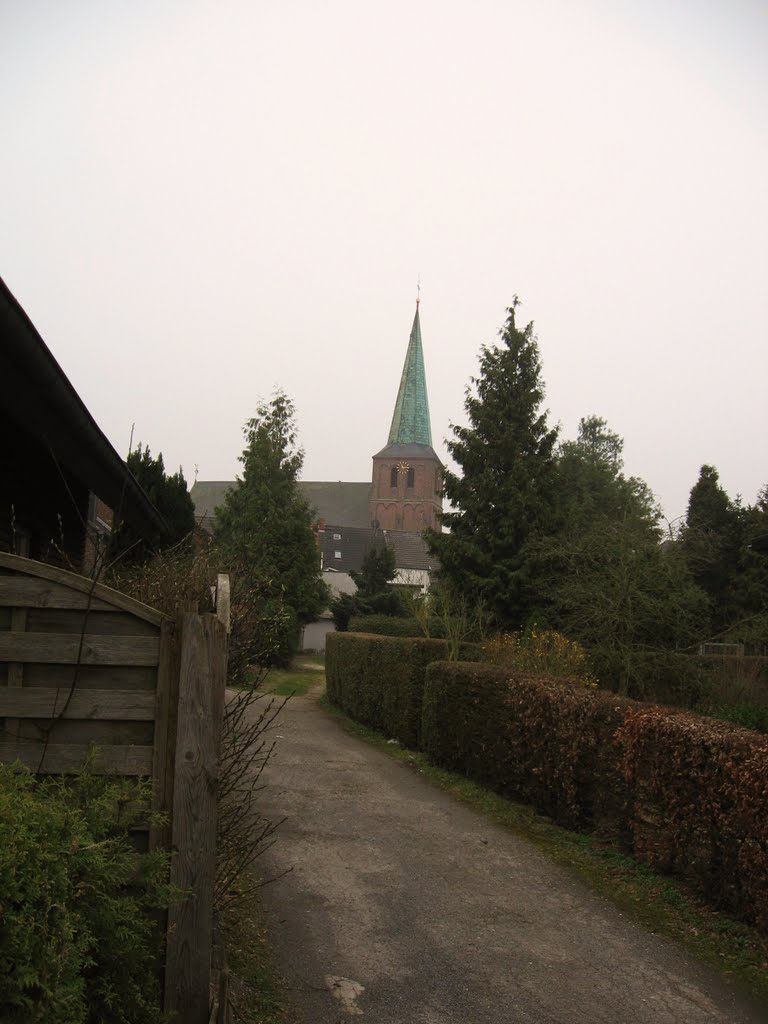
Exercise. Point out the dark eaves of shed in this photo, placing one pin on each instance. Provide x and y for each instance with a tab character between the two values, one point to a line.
36	393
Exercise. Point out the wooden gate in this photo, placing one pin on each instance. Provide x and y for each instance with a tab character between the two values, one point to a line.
86	669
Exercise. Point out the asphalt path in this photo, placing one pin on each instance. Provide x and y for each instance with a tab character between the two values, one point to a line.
398	905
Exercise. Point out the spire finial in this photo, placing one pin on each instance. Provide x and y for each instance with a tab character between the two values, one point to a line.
418	290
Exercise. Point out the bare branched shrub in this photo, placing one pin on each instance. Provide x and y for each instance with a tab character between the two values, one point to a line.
182	580
243	833
176	580
460	620
179	580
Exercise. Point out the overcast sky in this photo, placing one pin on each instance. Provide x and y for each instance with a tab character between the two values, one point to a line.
203	201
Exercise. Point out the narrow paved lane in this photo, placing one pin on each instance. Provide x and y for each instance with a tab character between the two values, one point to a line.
403	906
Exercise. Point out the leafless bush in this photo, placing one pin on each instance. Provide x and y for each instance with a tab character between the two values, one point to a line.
243	833
179	580
175	580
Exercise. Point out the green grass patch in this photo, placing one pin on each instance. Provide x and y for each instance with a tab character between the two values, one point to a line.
258	992
660	904
310	661
306	672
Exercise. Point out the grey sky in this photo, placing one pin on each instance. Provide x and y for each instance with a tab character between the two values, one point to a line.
202	201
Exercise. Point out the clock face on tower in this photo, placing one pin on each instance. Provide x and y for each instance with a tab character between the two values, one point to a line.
403	467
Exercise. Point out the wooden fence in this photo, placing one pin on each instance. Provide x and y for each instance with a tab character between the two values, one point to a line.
86	669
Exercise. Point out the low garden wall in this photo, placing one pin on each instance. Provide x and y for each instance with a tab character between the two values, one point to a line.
685	794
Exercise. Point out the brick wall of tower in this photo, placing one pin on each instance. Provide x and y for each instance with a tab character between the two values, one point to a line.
401	507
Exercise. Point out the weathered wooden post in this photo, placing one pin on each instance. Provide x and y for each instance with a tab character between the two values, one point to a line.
223	606
202	683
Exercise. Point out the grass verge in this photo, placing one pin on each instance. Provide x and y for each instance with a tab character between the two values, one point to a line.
257	990
660	904
306	672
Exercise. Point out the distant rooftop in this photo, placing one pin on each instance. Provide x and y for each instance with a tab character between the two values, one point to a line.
343	547
333	501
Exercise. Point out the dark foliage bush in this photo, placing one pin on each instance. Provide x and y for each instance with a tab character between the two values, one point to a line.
378	680
685	680
78	905
666	677
348	607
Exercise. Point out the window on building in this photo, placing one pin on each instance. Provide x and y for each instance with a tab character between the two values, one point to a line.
393	477
337	554
409	480
21	541
337	536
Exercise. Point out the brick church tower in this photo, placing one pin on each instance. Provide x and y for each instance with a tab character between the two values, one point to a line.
407	474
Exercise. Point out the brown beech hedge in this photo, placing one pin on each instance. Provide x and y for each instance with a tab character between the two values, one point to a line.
685	794
700	796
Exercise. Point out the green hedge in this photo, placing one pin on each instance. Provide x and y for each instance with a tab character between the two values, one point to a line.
78	938
378	680
393	625
384	625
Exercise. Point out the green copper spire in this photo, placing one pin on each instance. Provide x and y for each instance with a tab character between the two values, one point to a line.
410	422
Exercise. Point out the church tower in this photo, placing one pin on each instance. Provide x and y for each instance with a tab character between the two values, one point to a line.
407	474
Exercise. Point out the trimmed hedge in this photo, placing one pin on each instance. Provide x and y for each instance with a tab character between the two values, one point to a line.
683	793
699	791
680	792
534	739
384	625
379	680
394	625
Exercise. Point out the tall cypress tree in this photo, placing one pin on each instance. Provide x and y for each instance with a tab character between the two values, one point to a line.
264	527
503	497
711	540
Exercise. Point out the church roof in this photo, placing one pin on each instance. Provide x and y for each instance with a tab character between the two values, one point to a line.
335	501
338	501
410	421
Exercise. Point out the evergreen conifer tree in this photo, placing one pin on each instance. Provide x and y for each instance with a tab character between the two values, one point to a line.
591	482
172	500
265	526
377	569
503	497
711	541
